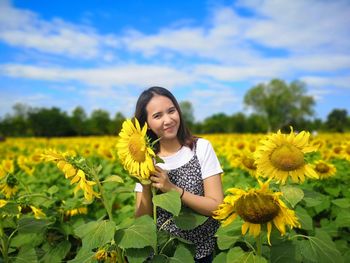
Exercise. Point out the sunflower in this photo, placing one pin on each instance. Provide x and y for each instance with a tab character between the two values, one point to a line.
134	150
256	207
2	203
38	213
9	187
76	175
324	169
280	156
107	254
246	162
76	211
8	166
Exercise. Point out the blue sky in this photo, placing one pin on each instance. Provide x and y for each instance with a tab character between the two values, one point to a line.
101	54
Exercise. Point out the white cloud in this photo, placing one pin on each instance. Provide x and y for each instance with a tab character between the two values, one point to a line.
331	83
25	29
139	75
301	26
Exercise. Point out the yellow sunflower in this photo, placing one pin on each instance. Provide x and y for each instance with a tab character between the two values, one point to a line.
256	207
38	213
2	203
324	169
9	187
134	150
280	156
247	162
73	173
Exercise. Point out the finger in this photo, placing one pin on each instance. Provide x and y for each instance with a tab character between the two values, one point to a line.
156	185
158	169
154	179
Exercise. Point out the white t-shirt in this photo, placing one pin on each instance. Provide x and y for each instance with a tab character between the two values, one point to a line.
206	155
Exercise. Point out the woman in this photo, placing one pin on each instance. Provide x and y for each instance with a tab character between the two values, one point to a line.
190	167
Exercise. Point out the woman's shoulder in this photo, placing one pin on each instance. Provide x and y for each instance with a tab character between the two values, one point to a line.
202	143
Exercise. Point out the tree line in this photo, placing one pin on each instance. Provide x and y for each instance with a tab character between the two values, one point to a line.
273	106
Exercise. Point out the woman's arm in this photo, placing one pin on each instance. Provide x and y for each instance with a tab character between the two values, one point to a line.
144	202
213	196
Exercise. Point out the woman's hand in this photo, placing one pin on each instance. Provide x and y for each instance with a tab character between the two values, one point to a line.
160	180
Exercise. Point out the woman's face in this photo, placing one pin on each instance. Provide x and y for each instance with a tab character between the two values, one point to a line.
162	117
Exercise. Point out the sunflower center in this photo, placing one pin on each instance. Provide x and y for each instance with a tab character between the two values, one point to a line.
249	163
322	168
337	149
137	148
11	181
257	208
287	158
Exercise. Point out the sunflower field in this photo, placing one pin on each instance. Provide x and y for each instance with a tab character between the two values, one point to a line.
287	199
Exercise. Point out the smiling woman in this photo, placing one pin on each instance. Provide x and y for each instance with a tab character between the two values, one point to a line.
190	167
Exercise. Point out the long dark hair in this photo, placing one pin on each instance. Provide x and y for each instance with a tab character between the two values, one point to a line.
184	134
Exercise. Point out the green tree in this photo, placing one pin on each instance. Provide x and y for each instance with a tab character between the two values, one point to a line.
187	113
50	122
280	103
237	123
216	123
117	123
78	121
99	122
337	120
19	120
256	124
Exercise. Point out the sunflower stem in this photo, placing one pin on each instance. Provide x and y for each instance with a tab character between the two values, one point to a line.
103	197
154	193
4	244
258	245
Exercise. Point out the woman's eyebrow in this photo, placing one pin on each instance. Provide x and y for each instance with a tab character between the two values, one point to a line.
156	113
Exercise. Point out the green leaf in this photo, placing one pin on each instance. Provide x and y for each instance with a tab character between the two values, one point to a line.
343	219
138	255
325	205
26	254
30	239
57	253
237	255
188	219
312	198
226	241
228	235
83	256
284	252
320	249
95	234
182	254
52	190
342	202
158	159
220	258
333	191
159	259
10	209
293	195
169	201
304	218
32	225
139	235
114	178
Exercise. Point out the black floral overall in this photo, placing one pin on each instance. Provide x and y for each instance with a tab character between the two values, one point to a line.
189	177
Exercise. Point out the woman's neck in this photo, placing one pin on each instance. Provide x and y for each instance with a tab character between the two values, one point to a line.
169	147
